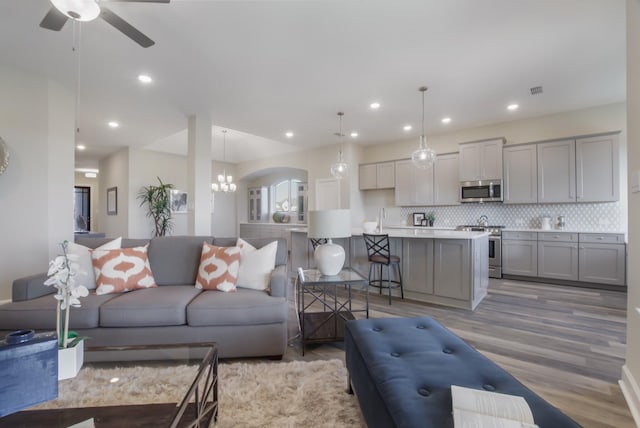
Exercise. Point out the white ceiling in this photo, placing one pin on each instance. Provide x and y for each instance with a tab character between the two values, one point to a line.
261	68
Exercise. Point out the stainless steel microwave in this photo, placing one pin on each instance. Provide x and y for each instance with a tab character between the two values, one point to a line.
481	191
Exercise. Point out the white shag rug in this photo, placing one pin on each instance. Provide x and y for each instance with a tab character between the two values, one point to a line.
253	394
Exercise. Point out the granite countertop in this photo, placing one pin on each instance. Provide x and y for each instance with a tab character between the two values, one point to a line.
415	232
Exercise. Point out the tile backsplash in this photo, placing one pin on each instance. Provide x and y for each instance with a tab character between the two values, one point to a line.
601	217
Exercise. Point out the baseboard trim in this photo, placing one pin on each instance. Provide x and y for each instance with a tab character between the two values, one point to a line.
631	391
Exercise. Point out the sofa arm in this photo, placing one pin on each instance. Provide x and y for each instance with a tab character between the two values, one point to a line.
279	281
30	287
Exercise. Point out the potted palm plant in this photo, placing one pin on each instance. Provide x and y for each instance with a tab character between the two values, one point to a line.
158	203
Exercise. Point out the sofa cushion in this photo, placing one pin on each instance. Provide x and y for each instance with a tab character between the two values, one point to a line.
219	268
120	270
40	313
85	275
244	307
96	242
175	259
281	255
256	265
162	306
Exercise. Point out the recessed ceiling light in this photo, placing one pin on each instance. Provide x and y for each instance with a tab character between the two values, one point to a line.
354	134
81	147
446	120
375	105
512	107
288	134
407	127
113	124
145	78
90	174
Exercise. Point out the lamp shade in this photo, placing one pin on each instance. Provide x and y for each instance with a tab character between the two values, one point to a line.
329	224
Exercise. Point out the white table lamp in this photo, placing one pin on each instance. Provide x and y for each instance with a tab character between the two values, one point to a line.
329	224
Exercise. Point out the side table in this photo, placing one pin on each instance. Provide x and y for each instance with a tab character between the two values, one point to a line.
323	308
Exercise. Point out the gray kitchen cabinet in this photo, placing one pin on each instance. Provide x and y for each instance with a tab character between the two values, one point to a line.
258	204
520	253
558	255
376	176
520	185
414	186
481	160
557	171
417	266
451	267
598	169
602	258
446	186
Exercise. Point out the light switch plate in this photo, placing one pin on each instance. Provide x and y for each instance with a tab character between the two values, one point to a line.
635	181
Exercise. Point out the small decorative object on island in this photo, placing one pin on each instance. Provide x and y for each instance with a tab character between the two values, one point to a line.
329	224
62	271
158	201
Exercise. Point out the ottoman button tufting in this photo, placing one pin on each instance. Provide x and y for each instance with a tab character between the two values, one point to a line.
395	354
447	351
424	392
489	387
377	329
421	327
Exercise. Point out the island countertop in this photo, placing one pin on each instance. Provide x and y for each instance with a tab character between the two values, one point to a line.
417	233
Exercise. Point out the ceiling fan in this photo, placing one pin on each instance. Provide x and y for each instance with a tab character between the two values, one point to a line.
88	10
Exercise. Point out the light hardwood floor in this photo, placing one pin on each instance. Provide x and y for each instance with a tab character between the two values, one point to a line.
565	343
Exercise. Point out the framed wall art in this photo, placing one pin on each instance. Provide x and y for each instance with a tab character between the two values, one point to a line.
417	219
112	201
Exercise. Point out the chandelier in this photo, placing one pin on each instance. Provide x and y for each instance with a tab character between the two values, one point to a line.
339	168
225	182
424	157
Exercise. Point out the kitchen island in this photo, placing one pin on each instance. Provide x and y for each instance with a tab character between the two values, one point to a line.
445	267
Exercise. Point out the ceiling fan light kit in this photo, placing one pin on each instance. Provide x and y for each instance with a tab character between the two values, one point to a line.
80	10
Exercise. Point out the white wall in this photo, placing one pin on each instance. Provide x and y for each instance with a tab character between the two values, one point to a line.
114	172
631	370
94	205
36	190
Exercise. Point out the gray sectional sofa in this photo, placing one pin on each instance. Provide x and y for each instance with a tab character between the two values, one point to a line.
246	323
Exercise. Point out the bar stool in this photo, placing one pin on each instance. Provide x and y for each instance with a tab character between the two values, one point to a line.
315	242
379	255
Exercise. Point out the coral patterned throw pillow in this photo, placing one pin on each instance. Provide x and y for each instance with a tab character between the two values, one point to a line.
121	270
218	268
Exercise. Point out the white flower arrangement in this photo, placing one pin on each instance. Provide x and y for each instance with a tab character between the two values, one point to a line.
62	271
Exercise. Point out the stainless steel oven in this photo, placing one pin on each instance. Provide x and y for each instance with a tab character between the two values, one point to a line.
495	247
495	256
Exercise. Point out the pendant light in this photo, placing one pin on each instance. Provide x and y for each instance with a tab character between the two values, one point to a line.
424	157
339	168
225	182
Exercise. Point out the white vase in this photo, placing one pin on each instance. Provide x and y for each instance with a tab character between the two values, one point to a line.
70	361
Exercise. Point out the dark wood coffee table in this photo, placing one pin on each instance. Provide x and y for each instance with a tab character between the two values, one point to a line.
200	413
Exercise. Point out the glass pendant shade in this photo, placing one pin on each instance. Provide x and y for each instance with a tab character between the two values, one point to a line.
80	10
424	157
339	168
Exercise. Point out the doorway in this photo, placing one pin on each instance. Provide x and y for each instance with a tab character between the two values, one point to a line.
81	208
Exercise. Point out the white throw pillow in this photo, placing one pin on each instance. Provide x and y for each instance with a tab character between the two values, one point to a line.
85	275
256	265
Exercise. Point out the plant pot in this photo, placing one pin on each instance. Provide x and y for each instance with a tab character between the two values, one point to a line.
70	361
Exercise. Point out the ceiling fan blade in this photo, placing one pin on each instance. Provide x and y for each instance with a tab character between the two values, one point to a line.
138	1
54	20
126	28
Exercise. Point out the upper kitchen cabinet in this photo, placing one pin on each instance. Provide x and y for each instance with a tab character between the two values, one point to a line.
583	170
481	160
557	171
598	169
520	174
446	187
258	204
414	186
377	176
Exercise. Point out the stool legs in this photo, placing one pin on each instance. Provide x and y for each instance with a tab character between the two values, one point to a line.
376	278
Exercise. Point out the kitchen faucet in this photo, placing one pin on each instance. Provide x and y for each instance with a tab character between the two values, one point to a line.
381	215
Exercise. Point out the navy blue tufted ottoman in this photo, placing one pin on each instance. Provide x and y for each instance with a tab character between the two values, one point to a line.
402	369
